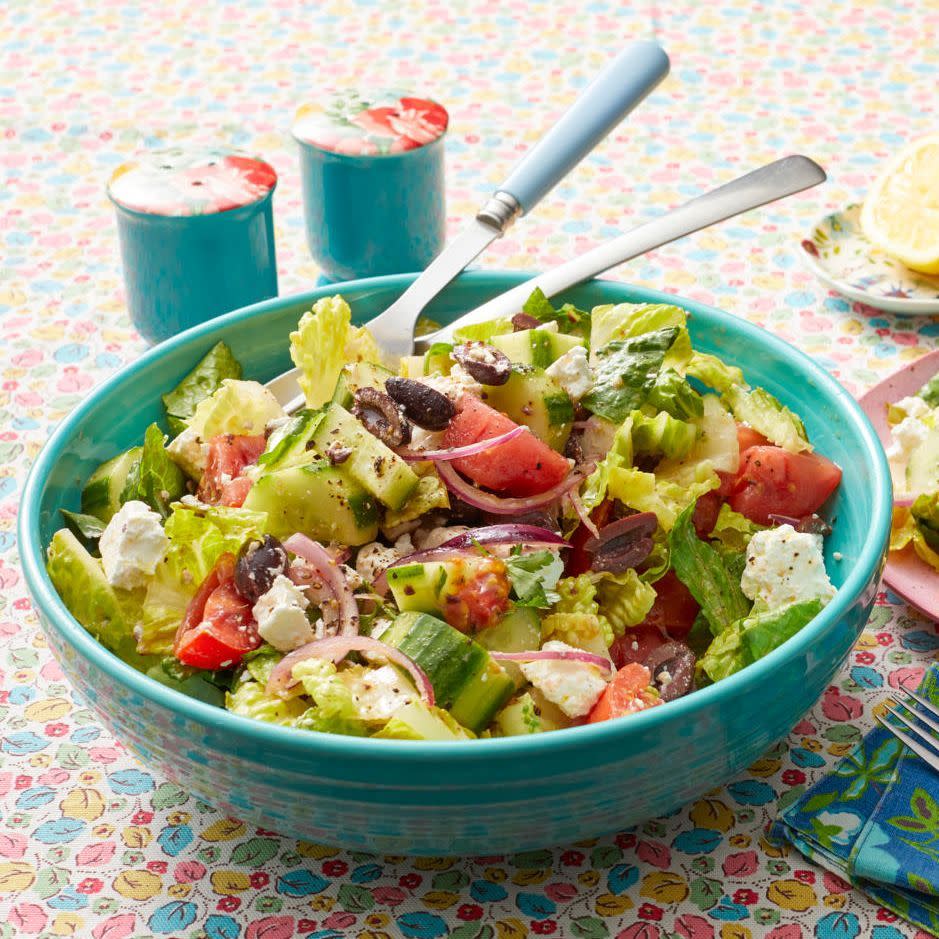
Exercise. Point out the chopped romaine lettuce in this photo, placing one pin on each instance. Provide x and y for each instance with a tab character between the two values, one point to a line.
711	371
195	683
323	342
534	577
753	637
203	380
585	631
198	538
761	411
624	372
625	599
906	531
154	479
250	699
732	530
662	434
648	492
482	332
701	569
430	494
87	528
335	711
620	454
261	661
674	395
925	510
627	320
716	447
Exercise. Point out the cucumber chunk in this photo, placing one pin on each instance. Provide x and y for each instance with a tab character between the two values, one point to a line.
371	464
538	347
532	398
101	496
467	681
318	500
357	375
289	444
517	631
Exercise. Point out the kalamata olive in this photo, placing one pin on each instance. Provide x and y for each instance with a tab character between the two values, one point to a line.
258	565
488	365
422	404
573	450
672	667
381	416
524	321
622	544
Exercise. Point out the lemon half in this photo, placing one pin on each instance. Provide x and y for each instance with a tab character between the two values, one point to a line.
901	213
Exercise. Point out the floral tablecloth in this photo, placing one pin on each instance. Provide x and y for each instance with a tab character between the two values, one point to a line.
93	844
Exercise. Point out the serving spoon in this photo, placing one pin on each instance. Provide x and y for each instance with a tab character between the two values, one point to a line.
774	181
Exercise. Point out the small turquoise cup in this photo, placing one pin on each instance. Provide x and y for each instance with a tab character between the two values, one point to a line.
372	168
196	231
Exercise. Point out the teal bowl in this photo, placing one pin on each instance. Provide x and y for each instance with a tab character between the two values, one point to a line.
487	796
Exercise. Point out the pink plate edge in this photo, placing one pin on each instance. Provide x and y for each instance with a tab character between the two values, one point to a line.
905	574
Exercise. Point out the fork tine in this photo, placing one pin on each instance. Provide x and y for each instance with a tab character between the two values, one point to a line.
929	707
930	757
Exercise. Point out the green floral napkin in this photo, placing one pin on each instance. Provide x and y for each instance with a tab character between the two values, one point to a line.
875	822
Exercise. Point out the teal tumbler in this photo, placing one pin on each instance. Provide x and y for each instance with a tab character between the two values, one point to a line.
372	168
196	231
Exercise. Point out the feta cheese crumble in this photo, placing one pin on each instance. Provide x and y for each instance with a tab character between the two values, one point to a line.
908	434
190	452
132	545
281	615
572	372
785	566
573	686
378	692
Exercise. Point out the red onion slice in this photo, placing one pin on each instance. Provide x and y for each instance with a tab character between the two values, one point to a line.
582	513
808	524
498	505
334	580
456	453
335	649
556	655
509	533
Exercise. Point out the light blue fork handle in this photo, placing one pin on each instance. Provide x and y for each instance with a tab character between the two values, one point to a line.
622	85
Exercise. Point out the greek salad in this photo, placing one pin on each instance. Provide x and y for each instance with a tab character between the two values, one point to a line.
913	455
566	517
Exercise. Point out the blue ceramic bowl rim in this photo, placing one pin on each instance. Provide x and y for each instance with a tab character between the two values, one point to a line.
322	745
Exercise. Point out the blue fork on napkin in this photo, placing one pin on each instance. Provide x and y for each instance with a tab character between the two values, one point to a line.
874	821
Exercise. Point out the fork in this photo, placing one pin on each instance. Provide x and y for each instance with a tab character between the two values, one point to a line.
924	743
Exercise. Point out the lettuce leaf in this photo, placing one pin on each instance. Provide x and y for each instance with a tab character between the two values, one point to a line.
649	492
154	479
674	395
534	577
701	569
906	531
203	380
753	637
930	391
334	711
323	342
483	331
626	320
620	454
711	371
625	599
250	699
198	538
87	528
585	631
625	371
732	530
925	511
764	413
662	434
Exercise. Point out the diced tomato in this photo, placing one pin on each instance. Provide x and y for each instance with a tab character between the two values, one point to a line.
774	481
748	437
637	644
578	559
524	466
709	505
674	609
479	596
229	454
218	628
626	694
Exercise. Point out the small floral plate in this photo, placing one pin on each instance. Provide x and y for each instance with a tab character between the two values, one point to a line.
906	574
839	255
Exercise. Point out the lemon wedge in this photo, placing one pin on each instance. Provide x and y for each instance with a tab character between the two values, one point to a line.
901	212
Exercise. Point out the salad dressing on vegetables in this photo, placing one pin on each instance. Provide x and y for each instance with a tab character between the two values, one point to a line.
566	517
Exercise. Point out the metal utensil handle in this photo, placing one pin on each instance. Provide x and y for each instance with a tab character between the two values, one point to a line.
778	179
616	91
